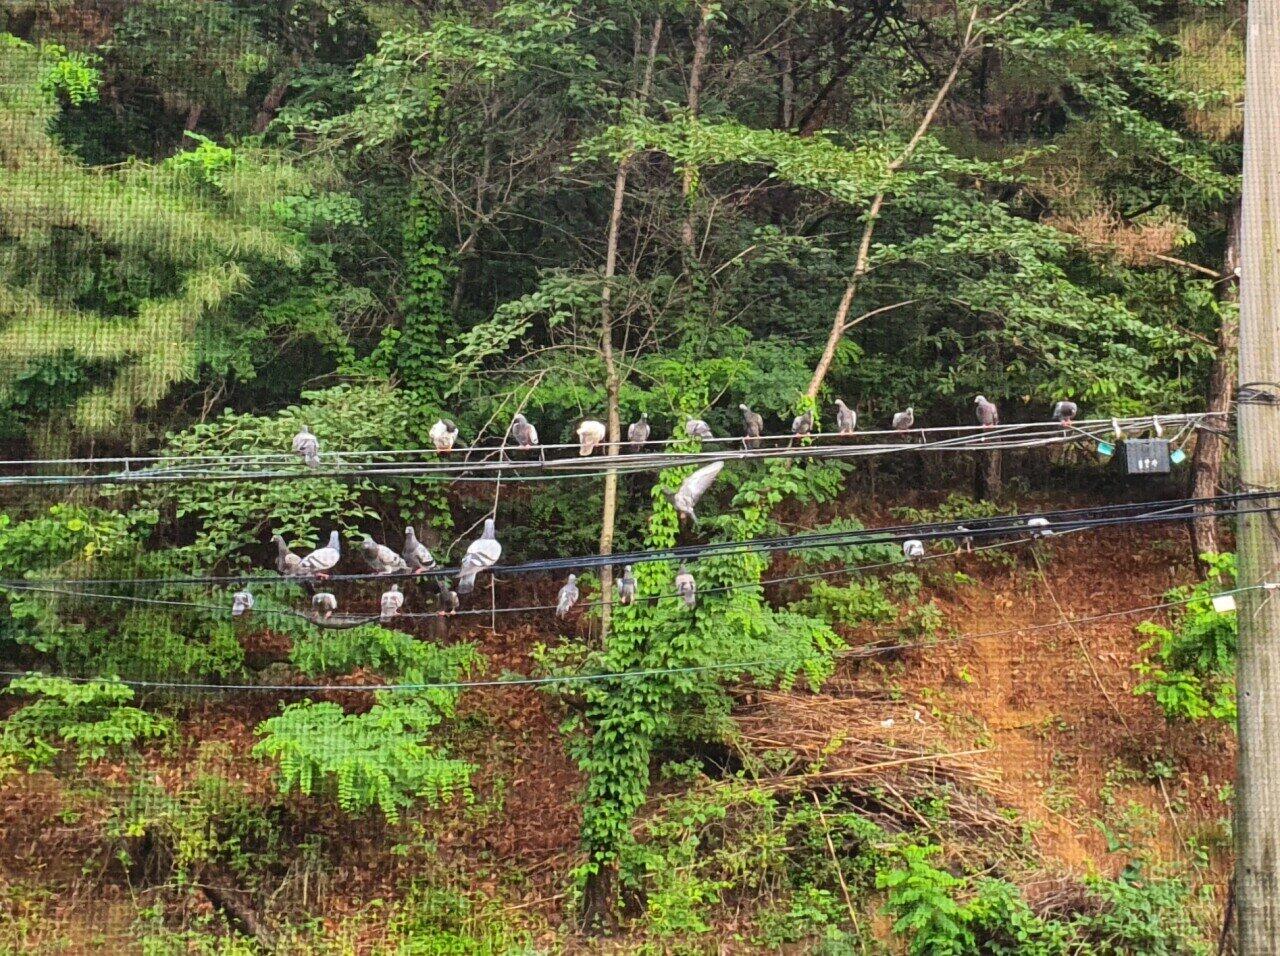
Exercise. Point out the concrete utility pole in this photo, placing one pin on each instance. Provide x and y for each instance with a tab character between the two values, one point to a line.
1257	823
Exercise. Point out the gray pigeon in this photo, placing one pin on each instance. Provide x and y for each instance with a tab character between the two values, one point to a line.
846	418
638	432
381	558
443	434
802	424
446	597
321	561
241	603
627	587
912	549
568	597
988	414
590	433
482	553
1065	412
392	601
904	420
523	432
416	555
697	428
752	427
286	561
324	603
691	490
307	447
686	587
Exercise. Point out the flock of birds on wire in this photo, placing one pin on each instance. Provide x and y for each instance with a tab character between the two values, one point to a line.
483	553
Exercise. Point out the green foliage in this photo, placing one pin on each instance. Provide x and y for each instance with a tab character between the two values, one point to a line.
858	602
72	74
317	652
923	900
93	718
421	347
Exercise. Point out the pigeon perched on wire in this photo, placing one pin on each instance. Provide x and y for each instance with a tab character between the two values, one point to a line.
846	418
443	434
417	557
322	560
686	497
638	432
286	561
381	559
523	432
966	539
307	447
697	428
913	549
802	424
627	587
988	414
590	433
1065	412
482	553
1039	527
324	603
241	603
686	587
391	602
752	427
567	597
446	597
904	419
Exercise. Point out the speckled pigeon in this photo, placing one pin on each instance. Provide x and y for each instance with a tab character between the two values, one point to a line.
966	539
802	424
482	553
691	490
307	447
446	597
443	434
324	603
567	597
638	432
912	549
697	428
686	587
627	587
286	561
241	603
752	427
416	555
1065	412
590	433
381	559
904	419
988	414
523	432
391	602
846	418
322	560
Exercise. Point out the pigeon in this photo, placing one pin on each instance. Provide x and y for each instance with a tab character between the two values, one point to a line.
904	420
321	561
988	414
446	597
846	418
697	428
307	447
752	427
482	553
691	490
590	433
638	432
523	432
416	556
966	539
392	601
912	549
568	597
286	561
627	587
1065	412
324	603
802	424
443	434
1040	527
381	558
686	587
241	603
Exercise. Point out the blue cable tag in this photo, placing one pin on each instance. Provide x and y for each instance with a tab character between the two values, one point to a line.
1106	449
1177	456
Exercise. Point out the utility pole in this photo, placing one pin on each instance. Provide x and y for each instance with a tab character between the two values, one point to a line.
1257	822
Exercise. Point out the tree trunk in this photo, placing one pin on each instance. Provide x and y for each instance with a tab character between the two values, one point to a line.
193	117
701	43
270	104
1210	446
988	480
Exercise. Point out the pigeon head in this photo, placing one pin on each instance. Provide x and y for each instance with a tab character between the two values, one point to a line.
333	540
644	416
489	531
626	571
369	546
520	420
278	541
395	588
573	578
448	423
409	532
840	404
743	408
980	399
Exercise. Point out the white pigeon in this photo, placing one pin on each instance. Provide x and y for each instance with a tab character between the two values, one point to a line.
482	553
324	603
691	490
686	587
567	597
286	561
638	432
697	428
416	554
1065	412
988	414
912	549
307	447
241	603
590	433
904	419
381	558
523	432
846	418
322	560
443	434
392	601
1039	527
627	587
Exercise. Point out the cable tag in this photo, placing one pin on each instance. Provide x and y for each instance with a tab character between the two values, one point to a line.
1106	449
1224	603
1177	456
